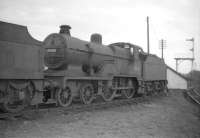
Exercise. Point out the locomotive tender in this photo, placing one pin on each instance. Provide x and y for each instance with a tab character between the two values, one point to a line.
77	69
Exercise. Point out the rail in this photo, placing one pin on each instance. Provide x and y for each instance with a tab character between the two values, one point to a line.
194	95
80	107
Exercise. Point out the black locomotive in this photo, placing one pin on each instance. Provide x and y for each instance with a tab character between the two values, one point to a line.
63	68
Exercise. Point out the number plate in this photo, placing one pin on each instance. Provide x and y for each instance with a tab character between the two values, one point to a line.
51	50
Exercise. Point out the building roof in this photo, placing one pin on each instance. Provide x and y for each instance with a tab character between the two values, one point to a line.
179	74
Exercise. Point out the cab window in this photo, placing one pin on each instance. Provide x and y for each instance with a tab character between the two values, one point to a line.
132	50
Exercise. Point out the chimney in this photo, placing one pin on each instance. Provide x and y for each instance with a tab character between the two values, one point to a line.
65	29
96	38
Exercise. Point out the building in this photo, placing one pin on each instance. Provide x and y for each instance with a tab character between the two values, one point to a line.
176	80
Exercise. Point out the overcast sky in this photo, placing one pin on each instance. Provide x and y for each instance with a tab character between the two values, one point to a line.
117	21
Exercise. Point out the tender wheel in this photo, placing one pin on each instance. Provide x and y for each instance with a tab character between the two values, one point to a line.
159	87
17	98
87	93
31	88
128	93
108	94
164	89
64	97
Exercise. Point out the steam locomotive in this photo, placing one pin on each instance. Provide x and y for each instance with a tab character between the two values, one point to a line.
63	68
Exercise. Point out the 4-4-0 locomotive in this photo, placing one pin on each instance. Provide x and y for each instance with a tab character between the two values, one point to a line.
76	69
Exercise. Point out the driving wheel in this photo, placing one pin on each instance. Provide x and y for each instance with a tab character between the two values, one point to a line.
108	94
87	93
64	97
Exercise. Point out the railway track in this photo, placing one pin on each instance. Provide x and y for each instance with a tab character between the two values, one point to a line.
194	95
80	107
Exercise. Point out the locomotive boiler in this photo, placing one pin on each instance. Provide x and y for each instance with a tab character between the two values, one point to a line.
62	51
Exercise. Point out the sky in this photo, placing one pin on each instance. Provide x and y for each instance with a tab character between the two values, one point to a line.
117	21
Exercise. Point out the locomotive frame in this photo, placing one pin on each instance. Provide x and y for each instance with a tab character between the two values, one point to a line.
77	69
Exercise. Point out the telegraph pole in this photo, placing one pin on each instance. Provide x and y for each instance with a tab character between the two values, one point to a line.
148	50
162	47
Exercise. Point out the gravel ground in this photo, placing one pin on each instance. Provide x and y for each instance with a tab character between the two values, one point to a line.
171	116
